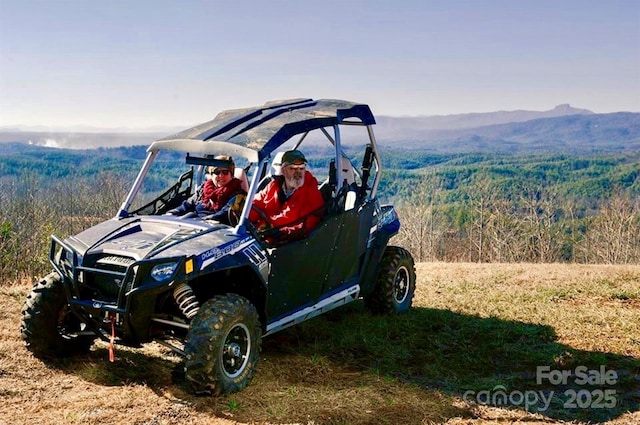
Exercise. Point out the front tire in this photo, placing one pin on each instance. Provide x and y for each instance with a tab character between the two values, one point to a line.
48	327
223	345
395	284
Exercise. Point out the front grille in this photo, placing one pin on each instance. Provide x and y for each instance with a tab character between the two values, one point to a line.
118	263
107	274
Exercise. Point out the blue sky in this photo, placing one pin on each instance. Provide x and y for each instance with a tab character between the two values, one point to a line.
140	64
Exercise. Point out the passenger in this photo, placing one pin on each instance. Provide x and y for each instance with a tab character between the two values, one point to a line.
216	195
219	192
291	205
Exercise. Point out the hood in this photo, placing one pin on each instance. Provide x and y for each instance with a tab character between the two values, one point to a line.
143	237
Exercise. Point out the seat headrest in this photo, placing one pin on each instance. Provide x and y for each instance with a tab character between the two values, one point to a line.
346	169
276	164
242	176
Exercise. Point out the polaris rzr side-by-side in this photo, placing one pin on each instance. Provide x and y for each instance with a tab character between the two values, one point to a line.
211	290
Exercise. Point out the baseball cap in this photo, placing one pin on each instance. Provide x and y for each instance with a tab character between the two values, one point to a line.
293	156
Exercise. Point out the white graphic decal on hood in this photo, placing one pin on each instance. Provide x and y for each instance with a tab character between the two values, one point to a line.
214	254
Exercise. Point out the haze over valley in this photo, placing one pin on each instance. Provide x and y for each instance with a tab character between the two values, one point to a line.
563	129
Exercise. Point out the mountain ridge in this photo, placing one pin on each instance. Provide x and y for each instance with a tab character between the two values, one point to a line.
430	121
478	119
562	129
574	134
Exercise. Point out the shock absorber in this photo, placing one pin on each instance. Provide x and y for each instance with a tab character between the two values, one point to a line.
186	300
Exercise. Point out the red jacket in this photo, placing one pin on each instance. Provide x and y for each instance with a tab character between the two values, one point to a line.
294	217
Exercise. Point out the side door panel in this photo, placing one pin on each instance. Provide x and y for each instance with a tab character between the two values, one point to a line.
298	271
305	271
349	247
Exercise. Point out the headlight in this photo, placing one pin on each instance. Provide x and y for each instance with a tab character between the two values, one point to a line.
163	271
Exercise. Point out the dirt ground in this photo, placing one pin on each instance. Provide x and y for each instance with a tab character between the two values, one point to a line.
143	386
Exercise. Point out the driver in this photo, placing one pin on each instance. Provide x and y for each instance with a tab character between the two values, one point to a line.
291	203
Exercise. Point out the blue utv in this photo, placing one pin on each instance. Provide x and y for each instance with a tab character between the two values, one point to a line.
212	289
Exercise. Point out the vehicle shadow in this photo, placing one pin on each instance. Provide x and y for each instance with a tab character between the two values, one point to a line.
476	360
487	361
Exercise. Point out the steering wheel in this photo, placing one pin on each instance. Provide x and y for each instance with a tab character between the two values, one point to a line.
233	214
263	215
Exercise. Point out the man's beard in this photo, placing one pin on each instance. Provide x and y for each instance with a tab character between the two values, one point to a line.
295	182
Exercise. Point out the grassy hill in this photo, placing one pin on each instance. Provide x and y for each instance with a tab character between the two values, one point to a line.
475	331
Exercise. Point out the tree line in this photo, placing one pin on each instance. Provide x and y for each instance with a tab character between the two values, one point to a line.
534	223
32	209
480	208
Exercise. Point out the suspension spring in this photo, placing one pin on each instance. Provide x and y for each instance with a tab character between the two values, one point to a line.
186	300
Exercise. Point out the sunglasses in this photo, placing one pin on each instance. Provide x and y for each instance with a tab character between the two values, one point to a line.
223	172
296	167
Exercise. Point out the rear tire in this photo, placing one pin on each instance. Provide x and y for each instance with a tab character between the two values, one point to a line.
395	284
223	345
48	327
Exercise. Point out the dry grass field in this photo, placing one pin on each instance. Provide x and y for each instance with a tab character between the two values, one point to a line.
476	331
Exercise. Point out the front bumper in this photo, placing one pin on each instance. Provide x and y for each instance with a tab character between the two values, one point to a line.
115	287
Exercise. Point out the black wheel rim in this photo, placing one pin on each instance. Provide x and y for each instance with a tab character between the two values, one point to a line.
68	326
401	285
235	352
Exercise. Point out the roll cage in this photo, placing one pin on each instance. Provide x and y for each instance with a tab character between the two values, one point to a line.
256	134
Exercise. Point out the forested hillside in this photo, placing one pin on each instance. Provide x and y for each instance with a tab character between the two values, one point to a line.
558	185
587	178
522	209
454	207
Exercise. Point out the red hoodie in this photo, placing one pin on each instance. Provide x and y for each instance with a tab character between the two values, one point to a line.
215	197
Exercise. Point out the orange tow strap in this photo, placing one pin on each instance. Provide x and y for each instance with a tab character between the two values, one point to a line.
112	345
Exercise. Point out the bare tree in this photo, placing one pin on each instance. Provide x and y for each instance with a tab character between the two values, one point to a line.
482	200
505	232
613	236
543	228
27	222
32	209
107	194
421	227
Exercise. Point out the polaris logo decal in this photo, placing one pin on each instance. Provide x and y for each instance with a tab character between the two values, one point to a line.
256	255
215	254
133	244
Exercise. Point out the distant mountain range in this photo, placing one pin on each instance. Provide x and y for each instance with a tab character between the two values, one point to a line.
461	121
563	129
571	134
